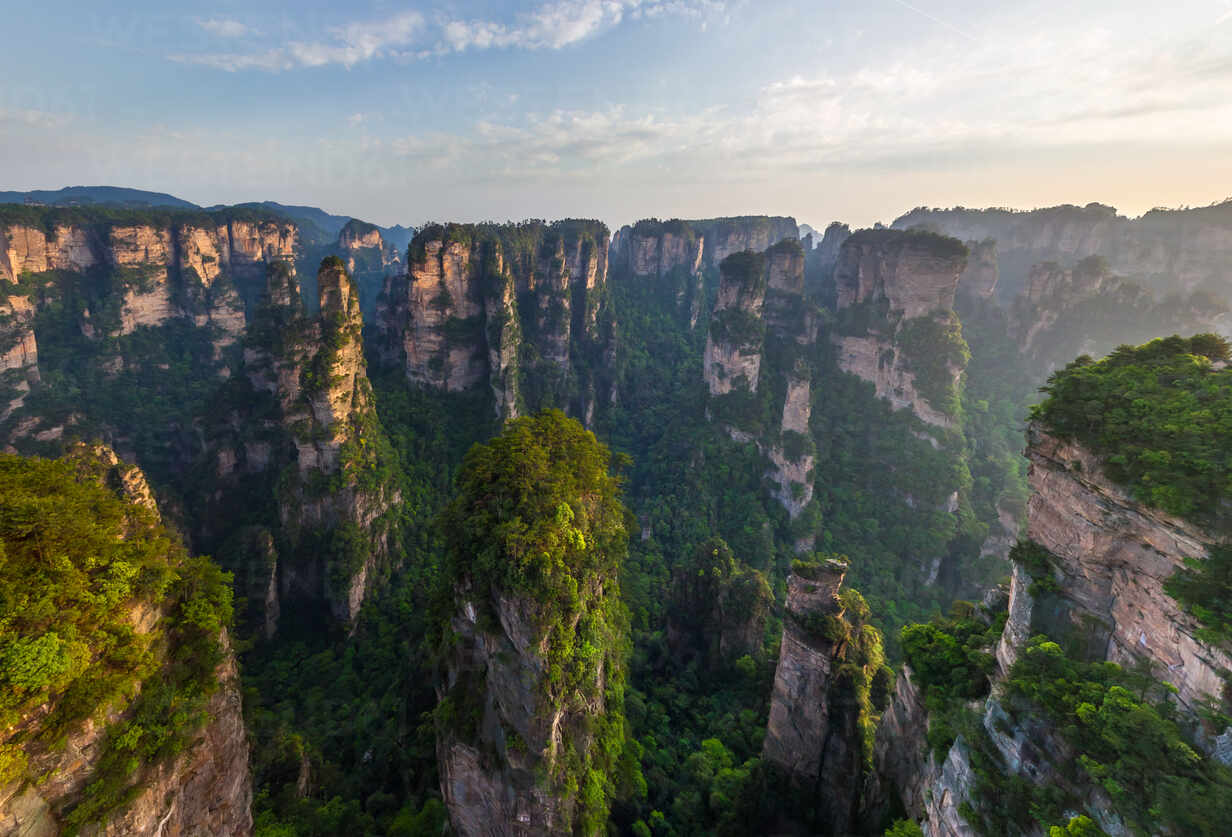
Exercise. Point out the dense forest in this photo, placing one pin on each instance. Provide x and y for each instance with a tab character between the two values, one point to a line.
548	523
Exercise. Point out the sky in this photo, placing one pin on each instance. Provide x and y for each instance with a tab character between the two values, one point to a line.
400	112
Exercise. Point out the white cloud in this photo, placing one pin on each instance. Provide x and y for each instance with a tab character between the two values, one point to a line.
553	25
224	28
348	45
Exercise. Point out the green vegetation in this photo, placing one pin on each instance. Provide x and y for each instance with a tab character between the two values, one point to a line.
952	662
1204	588
79	563
1121	726
538	516
718	606
1159	416
916	238
934	350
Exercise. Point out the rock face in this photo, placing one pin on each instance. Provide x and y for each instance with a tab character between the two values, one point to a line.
369	259
334	514
1112	556
813	734
897	325
1164	250
1086	309
205	790
737	330
504	662
513	308
979	279
209	246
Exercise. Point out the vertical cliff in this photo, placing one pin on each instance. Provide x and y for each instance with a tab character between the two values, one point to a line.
530	721
732	362
1164	250
820	726
1101	588
1109	696
518	308
897	328
1087	310
89	684
337	492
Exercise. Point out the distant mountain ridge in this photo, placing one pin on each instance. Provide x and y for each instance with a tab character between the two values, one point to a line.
77	195
316	224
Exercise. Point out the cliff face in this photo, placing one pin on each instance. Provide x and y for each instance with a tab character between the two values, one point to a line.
1165	250
737	330
897	328
334	513
1086	309
369	259
204	790
1112	556
979	280
224	245
520	309
505	795
814	731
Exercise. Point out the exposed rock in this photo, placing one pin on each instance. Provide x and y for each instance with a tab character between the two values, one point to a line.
979	280
1113	555
507	797
734	343
316	369
500	306
813	733
1166	250
892	285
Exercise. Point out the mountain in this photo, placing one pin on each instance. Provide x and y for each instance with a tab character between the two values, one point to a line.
95	195
536	528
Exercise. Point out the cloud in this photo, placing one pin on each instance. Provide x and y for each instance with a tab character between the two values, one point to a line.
552	25
224	28
348	45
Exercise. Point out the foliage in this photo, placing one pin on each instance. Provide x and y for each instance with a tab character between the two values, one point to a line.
718	605
1159	416
952	665
916	238
934	350
904	828
538	516
1122	728
77	563
1204	588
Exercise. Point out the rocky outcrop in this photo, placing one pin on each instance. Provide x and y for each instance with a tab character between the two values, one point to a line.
897	328
718	606
513	308
814	731
369	259
204	790
912	274
726	236
1086	309
18	350
316	370
737	330
1164	250
1111	556
979	280
503	663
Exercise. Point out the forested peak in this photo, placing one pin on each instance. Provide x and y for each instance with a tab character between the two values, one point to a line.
96	592
916	238
1158	415
537	512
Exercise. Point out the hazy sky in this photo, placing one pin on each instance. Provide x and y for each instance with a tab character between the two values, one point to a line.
619	109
